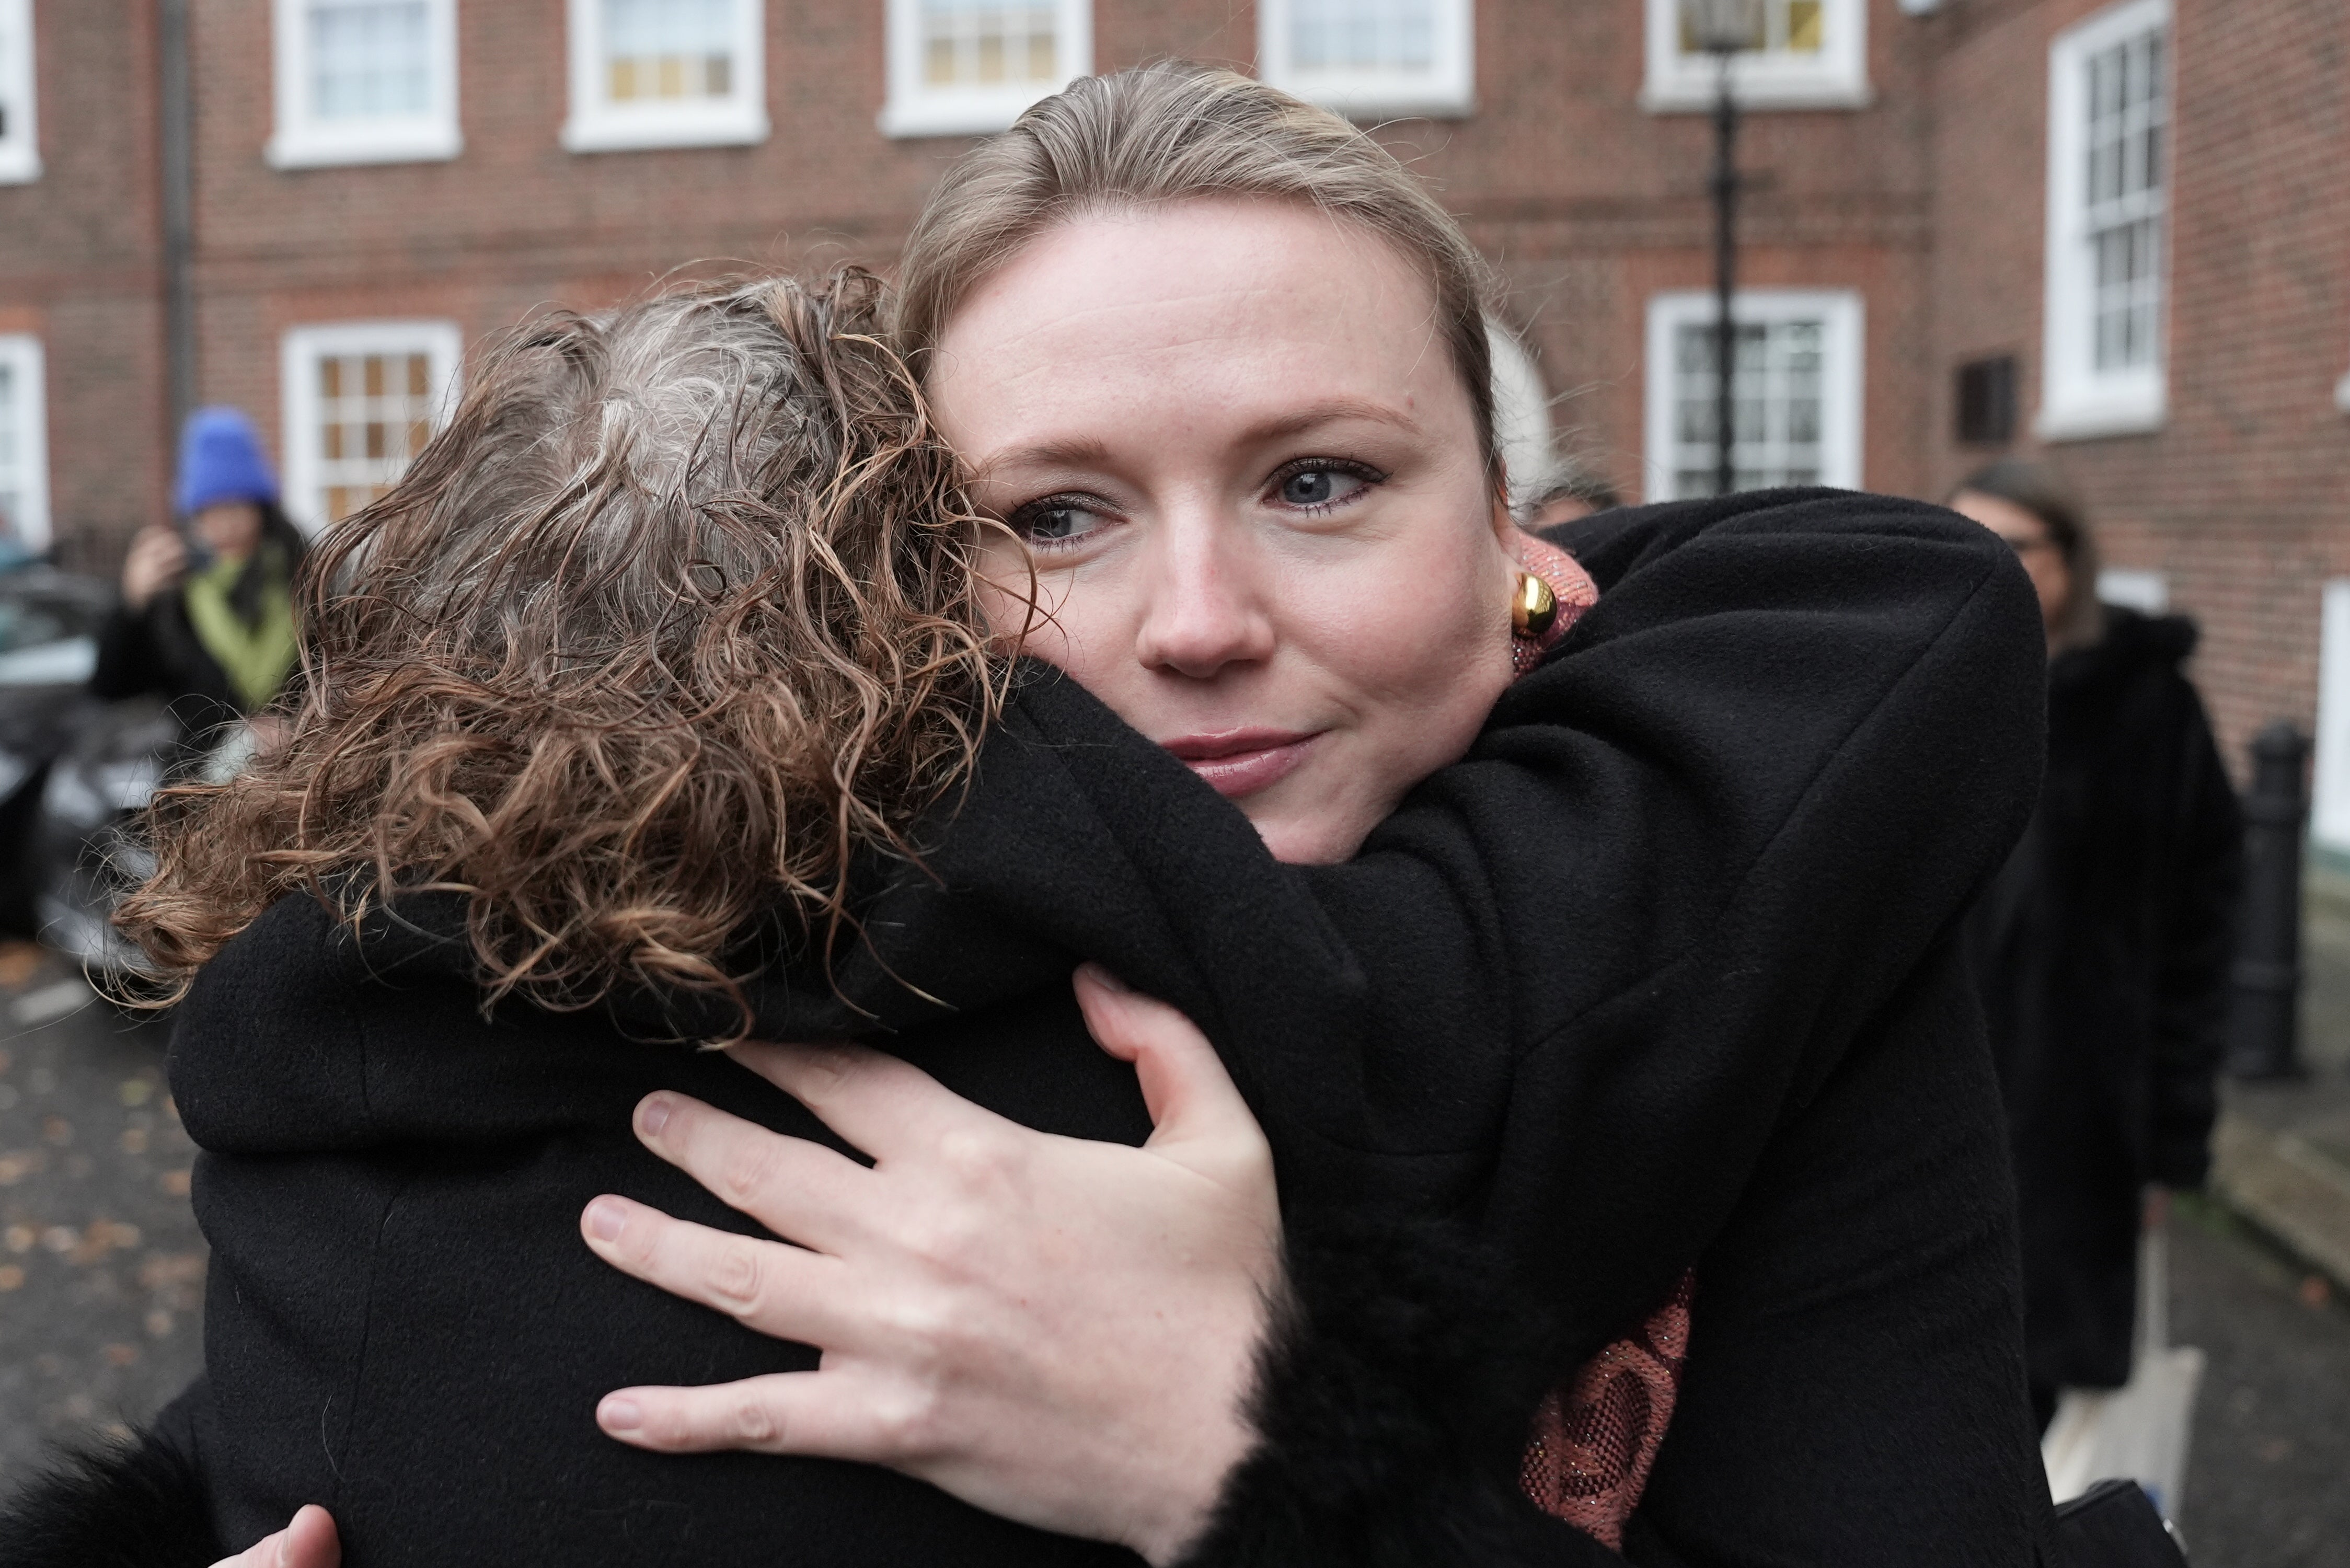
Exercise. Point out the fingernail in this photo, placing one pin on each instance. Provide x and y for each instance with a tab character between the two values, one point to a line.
606	1220
617	1414
1103	978
653	1115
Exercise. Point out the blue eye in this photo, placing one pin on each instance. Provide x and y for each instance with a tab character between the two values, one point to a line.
1056	520
1314	485
1054	523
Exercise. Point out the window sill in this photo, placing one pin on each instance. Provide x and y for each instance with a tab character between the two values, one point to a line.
403	144
631	133
1375	99
974	114
1690	94
2098	418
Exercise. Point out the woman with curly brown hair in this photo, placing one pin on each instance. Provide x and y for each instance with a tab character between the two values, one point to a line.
675	617
1637	972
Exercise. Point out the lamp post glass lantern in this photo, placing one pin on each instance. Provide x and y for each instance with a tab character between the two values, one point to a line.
1724	28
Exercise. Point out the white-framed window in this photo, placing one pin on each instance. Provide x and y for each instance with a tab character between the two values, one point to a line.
20	140
2329	822
1808	54
364	81
667	73
962	68
1371	57
1795	390
24	443
2108	169
360	399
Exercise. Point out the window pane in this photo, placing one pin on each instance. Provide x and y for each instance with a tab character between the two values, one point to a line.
370	59
1806	27
1778	409
2123	198
1780	28
374	417
668	51
989	44
1362	35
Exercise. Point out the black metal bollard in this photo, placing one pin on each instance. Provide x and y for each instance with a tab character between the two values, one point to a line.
2265	1011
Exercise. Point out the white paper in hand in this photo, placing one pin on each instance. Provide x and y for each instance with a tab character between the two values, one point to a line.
2137	1432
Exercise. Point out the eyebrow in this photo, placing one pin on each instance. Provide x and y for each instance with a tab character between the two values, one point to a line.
1085	452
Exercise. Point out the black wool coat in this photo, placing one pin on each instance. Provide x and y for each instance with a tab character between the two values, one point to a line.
1664	972
2104	949
156	652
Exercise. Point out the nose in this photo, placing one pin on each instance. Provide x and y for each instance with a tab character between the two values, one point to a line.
1207	609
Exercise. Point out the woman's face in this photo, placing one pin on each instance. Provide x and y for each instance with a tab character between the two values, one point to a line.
1247	473
2028	537
229	528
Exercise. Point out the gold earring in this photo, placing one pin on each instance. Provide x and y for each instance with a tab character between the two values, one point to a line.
1532	608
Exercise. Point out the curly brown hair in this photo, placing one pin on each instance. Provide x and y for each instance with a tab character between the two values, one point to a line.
672	622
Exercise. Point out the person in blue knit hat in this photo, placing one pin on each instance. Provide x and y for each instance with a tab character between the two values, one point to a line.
206	621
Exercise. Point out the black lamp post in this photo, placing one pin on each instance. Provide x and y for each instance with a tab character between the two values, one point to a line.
1723	28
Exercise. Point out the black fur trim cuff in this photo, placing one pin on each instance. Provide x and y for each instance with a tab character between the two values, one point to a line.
138	1504
1392	1400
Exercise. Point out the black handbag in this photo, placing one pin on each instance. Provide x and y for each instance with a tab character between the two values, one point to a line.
2114	1524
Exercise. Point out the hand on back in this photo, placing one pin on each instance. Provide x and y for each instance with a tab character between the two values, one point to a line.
974	1292
310	1541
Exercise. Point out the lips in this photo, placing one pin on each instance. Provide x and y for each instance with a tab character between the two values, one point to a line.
1240	763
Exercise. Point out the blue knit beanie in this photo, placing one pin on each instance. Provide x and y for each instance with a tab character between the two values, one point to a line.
221	460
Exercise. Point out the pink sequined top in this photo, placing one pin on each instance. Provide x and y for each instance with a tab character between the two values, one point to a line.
1595	1434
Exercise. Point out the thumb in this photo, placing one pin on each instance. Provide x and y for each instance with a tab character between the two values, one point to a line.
1190	1096
310	1541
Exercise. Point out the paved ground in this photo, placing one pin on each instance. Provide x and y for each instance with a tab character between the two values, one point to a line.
101	1267
2268	1470
101	1275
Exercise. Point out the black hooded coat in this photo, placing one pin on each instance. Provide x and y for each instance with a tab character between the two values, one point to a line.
1665	972
2103	948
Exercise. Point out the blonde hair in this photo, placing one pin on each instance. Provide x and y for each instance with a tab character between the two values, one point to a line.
674	619
1180	131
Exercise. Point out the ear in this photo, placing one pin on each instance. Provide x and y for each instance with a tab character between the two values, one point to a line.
1504	524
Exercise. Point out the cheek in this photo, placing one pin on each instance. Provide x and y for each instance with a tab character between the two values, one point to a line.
1419	652
1074	630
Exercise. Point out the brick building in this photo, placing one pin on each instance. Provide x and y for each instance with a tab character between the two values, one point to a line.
2211	441
376	183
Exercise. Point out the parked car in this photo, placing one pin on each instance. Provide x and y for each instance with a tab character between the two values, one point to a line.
81	856
48	646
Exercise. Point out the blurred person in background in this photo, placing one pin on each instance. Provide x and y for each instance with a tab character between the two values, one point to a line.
1571	492
206	621
2103	945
